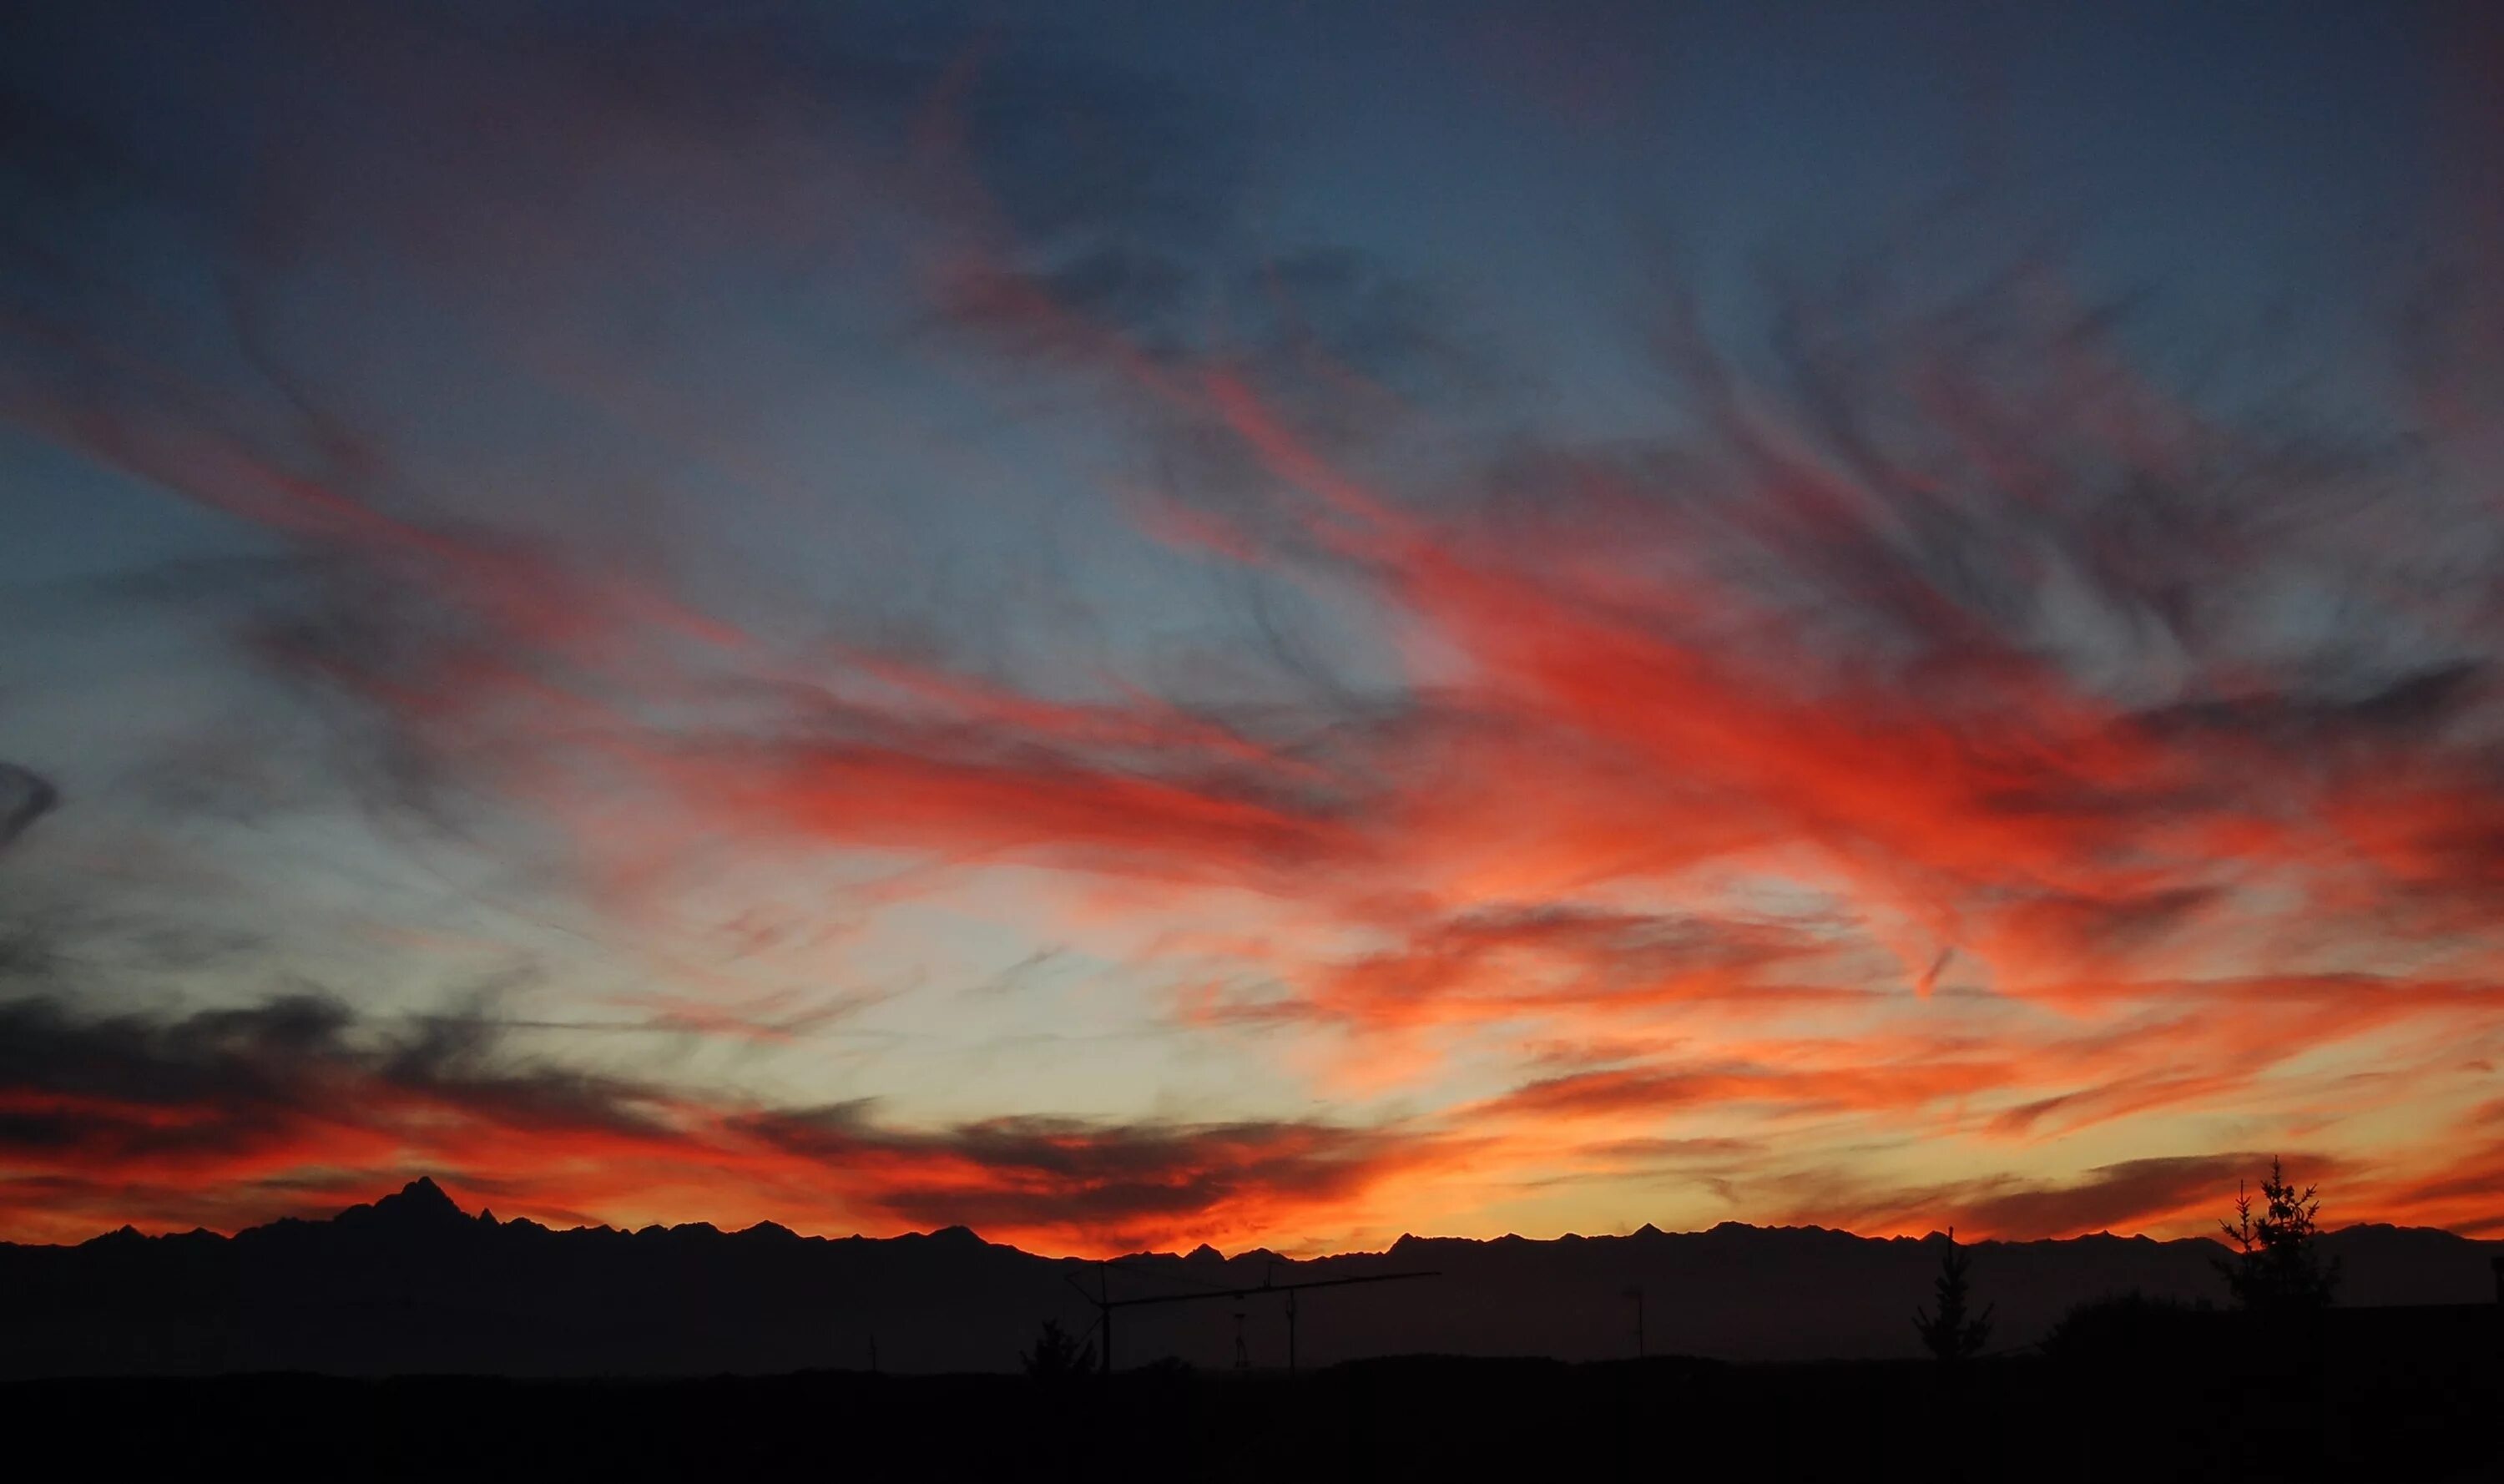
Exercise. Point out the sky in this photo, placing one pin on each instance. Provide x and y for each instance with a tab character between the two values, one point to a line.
1134	625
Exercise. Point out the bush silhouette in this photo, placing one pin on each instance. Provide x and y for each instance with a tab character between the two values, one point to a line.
2128	1325
1056	1355
2276	1266
1952	1335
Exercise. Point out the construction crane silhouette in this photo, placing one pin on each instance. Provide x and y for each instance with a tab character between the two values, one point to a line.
1105	1303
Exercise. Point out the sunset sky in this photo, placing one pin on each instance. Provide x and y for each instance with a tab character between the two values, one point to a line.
1137	624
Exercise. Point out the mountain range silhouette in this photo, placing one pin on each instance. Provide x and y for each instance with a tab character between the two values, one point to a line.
411	1283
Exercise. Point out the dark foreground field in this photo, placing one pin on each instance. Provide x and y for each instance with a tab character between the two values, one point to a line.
2179	1416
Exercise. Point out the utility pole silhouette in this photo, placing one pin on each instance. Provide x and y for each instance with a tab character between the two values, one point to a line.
1242	1354
1268	1276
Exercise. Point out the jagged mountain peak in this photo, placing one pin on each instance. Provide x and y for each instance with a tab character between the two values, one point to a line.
419	1204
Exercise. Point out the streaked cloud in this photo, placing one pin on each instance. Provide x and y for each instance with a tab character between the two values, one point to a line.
755	534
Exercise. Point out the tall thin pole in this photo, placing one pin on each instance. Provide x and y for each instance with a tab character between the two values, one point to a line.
1105	1309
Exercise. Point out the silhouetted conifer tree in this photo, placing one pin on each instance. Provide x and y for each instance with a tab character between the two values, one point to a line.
2276	1265
1953	1336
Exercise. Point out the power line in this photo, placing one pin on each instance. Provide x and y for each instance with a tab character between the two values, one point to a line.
1105	1303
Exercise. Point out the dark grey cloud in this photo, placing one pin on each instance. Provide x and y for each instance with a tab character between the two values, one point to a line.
2126	1196
238	1111
1112	1178
2130	1196
25	796
221	1085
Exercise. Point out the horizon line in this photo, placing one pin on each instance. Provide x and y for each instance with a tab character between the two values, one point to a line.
485	1213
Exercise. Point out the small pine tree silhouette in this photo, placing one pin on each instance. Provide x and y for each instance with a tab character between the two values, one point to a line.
2277	1265
1058	1354
1953	1336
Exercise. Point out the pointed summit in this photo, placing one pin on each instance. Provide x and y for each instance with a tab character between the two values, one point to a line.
421	1195
420	1204
955	1236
